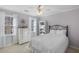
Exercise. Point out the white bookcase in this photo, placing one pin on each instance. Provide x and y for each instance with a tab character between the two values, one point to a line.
43	27
23	35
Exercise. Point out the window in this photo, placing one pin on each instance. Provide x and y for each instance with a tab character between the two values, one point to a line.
8	25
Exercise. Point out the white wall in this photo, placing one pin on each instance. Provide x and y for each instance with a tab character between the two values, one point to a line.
70	18
23	17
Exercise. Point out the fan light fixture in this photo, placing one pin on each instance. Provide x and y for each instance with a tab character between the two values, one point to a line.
39	10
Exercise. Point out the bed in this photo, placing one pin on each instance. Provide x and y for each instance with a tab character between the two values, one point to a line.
54	42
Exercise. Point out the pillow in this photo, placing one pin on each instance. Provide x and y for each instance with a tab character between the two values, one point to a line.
60	32
53	32
57	27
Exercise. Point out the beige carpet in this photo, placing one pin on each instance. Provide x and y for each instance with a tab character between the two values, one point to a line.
24	48
73	50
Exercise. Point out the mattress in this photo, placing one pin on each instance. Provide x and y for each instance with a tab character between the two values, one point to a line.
49	43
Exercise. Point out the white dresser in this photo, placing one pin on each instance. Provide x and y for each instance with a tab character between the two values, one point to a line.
23	35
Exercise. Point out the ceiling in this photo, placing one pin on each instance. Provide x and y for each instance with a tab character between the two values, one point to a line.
31	9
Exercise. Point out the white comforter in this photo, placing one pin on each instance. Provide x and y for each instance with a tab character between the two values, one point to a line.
49	43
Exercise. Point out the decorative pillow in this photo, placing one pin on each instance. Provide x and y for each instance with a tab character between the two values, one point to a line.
61	32
57	27
53	32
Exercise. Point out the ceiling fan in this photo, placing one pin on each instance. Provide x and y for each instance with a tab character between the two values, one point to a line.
39	10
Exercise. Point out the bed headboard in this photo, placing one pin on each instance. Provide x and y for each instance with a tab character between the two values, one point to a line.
59	27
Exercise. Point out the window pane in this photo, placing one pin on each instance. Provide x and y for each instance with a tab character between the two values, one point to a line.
8	25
